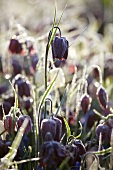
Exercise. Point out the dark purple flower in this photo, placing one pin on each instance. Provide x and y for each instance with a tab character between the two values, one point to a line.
81	146
22	85
85	103
9	98
23	88
52	153
105	131
15	46
21	120
48	125
60	48
9	123
102	97
6	106
4	147
3	88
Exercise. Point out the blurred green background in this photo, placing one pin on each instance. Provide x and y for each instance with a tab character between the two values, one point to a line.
35	15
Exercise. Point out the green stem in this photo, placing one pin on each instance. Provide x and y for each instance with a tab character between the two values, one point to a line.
46	56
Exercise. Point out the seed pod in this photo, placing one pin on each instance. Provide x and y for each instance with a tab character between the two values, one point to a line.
60	48
58	128
21	120
9	123
85	103
105	132
48	125
102	97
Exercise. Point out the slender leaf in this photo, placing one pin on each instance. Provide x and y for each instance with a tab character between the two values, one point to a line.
67	128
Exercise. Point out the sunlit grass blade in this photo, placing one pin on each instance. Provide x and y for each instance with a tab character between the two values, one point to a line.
79	135
62	100
67	128
64	164
15	94
103	151
97	113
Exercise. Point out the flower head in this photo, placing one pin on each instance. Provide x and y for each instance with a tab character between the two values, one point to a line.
60	48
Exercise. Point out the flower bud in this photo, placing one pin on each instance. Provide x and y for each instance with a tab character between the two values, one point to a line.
9	123
85	103
102	97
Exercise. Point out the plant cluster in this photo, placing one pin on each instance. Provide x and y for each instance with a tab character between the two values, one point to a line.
55	114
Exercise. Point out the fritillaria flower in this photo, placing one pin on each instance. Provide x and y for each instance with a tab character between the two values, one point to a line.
21	120
85	103
102	97
105	131
60	47
9	123
15	47
48	125
52	153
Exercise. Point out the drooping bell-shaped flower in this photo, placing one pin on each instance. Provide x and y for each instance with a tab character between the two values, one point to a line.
60	48
15	47
102	97
85	103
21	120
9	123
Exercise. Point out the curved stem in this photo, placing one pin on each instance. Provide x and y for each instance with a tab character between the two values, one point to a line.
58	29
48	99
